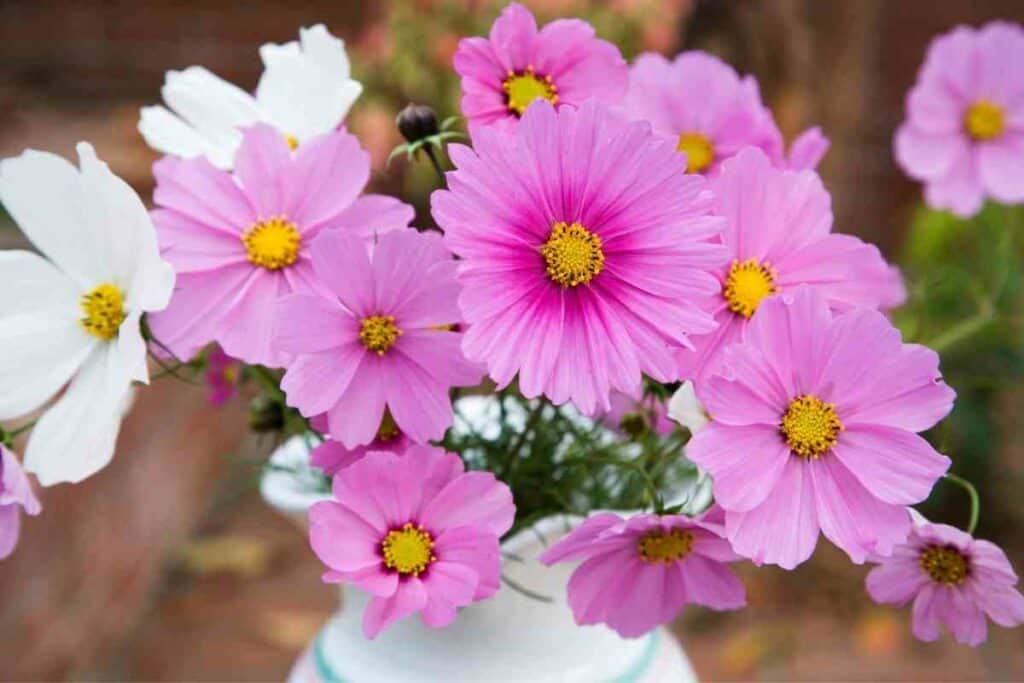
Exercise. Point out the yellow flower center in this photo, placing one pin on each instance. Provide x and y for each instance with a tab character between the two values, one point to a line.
273	243
984	120
104	311
388	429
944	564
573	254
379	333
665	546
811	426
293	142
522	88
699	151
747	284
409	550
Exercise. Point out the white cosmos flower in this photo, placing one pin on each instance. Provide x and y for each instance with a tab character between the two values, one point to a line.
305	90
687	410
74	315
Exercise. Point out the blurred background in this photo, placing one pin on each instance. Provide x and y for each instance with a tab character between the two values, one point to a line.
167	566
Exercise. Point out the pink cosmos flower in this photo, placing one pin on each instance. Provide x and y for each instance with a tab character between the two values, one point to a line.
222	375
952	579
964	132
814	421
15	495
629	414
331	456
563	63
710	112
779	236
585	253
417	532
639	573
240	242
382	338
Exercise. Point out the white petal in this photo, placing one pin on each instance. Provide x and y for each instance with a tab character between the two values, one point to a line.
212	107
166	132
685	409
45	195
131	348
76	437
41	342
126	236
307	92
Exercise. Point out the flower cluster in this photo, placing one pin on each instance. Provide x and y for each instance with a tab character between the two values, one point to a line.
611	236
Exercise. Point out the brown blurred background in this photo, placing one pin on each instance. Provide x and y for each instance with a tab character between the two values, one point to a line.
167	566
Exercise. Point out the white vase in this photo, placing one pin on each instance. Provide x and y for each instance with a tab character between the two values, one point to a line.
509	637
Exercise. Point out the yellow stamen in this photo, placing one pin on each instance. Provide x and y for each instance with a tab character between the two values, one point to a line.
379	333
104	311
811	426
944	564
293	142
388	429
747	284
573	254
984	120
272	243
700	153
409	550
522	88
665	546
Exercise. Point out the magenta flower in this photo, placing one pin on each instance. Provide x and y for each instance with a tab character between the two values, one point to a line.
240	242
585	253
710	112
382	339
779	236
964	132
416	532
332	456
15	495
952	579
813	426
639	573
631	415
563	63
222	376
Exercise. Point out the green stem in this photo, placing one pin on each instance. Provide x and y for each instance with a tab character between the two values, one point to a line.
965	329
975	500
22	429
267	379
652	490
432	155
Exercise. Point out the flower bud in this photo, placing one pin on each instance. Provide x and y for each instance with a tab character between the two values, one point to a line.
266	414
416	122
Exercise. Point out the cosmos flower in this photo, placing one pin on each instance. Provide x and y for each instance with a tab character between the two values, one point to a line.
815	421
304	92
779	236
563	63
240	242
634	416
964	132
331	456
73	314
952	579
710	112
222	376
584	253
15	495
657	565
380	340
686	409
416	532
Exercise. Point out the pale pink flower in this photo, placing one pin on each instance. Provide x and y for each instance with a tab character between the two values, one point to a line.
222	376
814	421
381	339
964	132
710	112
239	242
952	579
629	414
584	253
15	495
639	573
563	63
779	235
332	456
416	532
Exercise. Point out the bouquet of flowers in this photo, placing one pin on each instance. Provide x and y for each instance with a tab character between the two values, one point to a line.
626	265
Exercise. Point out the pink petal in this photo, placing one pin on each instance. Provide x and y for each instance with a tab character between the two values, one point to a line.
896	581
341	262
512	36
371	215
246	331
329	172
583	540
448	586
744	462
10	529
410	597
308	323
644	606
476	549
1001	164
475	499
924	155
712	584
807	151
1003	604
262	164
343	540
925	613
355	417
314	383
895	465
